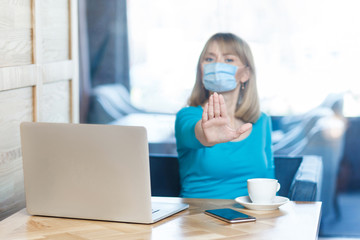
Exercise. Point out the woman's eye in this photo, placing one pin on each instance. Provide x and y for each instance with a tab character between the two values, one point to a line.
209	59
229	60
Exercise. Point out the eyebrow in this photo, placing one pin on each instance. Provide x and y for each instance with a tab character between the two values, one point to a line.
210	53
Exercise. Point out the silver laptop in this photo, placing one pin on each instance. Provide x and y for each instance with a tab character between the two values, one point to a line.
89	171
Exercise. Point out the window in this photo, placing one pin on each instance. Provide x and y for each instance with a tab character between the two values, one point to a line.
303	50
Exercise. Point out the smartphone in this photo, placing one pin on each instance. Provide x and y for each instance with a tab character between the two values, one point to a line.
229	215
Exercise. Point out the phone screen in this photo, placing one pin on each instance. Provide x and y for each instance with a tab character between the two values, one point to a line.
230	215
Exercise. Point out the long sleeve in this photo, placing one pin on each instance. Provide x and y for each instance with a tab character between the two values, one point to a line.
185	122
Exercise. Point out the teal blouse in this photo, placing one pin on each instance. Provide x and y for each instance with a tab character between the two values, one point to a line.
221	171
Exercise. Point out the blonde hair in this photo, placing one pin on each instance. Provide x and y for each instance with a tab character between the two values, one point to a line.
248	107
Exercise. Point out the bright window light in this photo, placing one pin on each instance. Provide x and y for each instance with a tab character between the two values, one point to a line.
303	50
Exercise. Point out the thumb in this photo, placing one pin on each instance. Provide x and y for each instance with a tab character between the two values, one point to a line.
244	128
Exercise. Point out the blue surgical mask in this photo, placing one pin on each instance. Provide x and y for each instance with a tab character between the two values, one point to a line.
219	77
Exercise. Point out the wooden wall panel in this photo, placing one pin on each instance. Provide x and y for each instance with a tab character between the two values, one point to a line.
15	32
57	71
18	77
55	102
55	30
15	107
38	80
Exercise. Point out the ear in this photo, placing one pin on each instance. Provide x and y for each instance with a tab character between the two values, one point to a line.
246	75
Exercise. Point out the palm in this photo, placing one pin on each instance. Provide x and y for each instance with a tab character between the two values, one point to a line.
216	123
218	130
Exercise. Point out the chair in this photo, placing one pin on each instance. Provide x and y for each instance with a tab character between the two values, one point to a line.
322	134
300	177
164	174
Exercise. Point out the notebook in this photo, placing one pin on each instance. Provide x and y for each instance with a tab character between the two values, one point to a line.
88	171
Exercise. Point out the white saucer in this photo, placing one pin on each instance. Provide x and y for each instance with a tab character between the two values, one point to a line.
246	202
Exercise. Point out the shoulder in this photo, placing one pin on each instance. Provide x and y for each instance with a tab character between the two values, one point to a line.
188	111
264	121
188	116
263	118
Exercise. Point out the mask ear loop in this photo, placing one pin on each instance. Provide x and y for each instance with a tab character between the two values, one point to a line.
242	84
241	94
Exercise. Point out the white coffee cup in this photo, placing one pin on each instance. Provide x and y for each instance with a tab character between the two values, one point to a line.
262	190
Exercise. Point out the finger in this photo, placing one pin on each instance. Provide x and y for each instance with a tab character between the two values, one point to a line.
205	113
244	128
216	105
211	107
223	110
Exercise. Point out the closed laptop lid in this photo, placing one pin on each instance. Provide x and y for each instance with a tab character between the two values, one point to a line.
87	171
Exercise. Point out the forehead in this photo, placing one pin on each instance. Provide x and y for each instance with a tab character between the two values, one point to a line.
221	47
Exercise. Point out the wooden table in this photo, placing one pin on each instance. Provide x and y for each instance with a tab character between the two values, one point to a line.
294	220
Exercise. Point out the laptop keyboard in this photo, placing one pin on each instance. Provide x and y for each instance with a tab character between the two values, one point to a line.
155	210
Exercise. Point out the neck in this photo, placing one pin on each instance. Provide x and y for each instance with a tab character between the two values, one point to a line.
231	99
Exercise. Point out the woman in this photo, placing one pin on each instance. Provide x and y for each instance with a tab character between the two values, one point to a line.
223	139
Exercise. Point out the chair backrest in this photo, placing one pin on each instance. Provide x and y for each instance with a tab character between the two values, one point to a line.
285	170
165	180
164	173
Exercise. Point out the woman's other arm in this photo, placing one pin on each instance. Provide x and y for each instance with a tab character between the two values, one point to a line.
268	149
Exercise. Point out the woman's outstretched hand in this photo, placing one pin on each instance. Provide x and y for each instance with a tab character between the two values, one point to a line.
216	124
